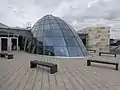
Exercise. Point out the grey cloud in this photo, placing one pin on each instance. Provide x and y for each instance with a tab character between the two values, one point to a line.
19	12
107	10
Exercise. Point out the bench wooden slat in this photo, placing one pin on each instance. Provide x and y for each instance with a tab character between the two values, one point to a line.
53	67
103	62
107	53
9	55
43	63
91	50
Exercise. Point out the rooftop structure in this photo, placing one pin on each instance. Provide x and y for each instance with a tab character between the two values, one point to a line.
57	38
49	36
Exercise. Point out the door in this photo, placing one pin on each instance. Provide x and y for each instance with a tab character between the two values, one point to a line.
4	44
14	44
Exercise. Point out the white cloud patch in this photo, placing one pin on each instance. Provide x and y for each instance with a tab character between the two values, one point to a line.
75	12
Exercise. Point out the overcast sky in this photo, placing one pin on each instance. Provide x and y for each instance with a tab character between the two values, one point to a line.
76	12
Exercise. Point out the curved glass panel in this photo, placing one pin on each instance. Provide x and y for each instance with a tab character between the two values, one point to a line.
52	33
56	38
75	51
54	41
61	51
54	26
71	41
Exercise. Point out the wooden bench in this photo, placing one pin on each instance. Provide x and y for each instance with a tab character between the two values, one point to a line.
9	55
103	62
100	53
92	50
53	67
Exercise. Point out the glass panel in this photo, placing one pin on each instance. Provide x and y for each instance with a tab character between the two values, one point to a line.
54	26
52	33
51	17
59	20
52	21
59	41
61	51
46	26
74	51
48	41
39	50
35	33
39	33
46	21
82	46
39	41
67	32
41	23
49	50
71	41
63	26
54	41
40	27
72	29
79	41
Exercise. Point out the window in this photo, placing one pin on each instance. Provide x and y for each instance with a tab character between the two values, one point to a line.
67	33
59	20
39	33
52	21
74	51
54	26
40	27
61	51
71	41
54	41
46	27
46	21
52	33
39	41
39	49
63	26
49	50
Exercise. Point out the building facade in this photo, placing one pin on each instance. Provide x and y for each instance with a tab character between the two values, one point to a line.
98	38
12	39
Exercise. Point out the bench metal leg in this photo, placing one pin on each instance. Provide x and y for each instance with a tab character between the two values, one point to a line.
116	67
10	56
115	55
94	51
53	69
32	65
88	63
2	55
99	54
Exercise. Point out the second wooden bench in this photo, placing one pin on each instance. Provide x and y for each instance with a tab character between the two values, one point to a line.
100	53
103	62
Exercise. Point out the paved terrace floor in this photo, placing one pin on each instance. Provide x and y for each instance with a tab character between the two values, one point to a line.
15	74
